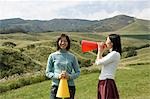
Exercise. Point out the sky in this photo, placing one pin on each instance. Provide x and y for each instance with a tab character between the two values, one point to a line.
73	9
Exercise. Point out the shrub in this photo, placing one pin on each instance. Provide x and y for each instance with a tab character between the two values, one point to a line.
31	46
129	53
21	49
9	44
125	49
4	88
85	63
144	46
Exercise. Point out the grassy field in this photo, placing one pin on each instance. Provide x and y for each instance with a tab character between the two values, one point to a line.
132	77
133	83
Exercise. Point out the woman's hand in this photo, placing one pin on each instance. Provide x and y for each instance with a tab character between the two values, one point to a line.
63	74
101	49
101	46
60	76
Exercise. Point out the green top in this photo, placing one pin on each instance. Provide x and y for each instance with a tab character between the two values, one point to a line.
60	61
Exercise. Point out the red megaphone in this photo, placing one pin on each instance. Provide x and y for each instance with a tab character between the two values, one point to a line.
88	45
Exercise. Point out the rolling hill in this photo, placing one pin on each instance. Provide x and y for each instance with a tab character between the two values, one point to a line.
23	57
137	26
12	62
120	22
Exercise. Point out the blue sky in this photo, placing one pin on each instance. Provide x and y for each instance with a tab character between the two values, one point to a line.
73	9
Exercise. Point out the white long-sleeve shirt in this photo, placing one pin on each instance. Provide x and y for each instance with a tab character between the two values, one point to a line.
109	65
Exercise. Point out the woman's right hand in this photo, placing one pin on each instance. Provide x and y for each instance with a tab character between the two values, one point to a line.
101	46
63	74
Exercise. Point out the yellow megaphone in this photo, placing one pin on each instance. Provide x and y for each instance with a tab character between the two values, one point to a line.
63	90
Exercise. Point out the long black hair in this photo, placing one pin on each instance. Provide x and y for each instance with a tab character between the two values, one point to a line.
115	39
68	40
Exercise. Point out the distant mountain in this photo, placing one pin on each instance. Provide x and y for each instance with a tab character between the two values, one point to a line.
71	25
112	24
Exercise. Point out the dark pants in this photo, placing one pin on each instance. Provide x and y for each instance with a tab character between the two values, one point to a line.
54	88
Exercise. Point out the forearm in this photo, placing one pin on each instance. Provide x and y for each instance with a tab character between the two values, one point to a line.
99	55
52	75
74	75
49	74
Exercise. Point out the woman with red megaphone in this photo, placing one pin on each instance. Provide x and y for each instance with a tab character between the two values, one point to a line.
106	86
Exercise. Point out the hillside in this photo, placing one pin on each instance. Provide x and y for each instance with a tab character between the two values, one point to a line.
22	50
13	61
23	59
113	24
138	26
141	58
124	22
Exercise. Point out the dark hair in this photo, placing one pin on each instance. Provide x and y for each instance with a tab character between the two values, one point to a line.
115	39
68	40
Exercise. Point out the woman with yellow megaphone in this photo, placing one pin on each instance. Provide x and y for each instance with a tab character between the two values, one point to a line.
62	68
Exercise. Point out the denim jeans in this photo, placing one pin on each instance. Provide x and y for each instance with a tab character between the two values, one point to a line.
54	88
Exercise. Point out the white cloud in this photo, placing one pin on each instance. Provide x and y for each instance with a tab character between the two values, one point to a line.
32	9
50	9
144	14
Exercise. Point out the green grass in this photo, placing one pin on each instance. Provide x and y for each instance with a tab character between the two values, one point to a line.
35	91
132	83
132	79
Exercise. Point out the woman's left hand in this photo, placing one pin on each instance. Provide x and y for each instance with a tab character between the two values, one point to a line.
65	75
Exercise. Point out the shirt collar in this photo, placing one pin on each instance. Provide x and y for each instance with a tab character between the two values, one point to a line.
62	51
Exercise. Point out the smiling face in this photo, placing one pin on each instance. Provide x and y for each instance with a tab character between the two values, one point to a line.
63	43
109	43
